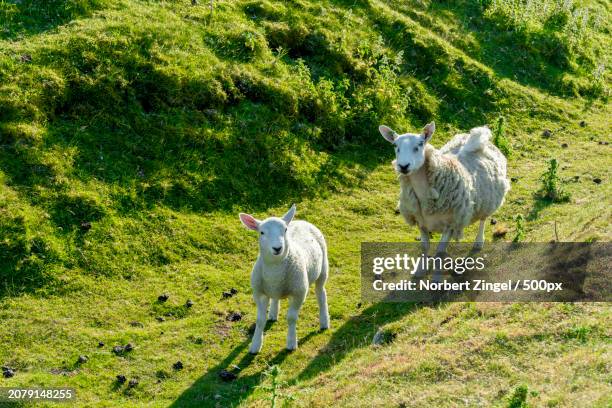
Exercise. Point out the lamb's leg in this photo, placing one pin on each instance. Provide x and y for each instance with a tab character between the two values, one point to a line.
322	296
295	304
422	268
262	304
478	244
273	313
440	252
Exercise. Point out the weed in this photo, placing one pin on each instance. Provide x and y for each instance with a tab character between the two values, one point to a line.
551	189
499	137
273	373
520	228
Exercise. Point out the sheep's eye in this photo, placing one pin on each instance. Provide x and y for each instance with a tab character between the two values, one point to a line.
261	232
416	149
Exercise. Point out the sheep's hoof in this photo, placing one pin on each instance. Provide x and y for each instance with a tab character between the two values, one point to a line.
272	320
477	246
437	277
420	272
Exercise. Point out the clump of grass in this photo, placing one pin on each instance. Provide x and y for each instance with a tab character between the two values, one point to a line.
563	31
580	333
518	399
499	137
551	189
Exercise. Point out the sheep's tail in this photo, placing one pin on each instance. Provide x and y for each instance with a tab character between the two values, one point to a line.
476	141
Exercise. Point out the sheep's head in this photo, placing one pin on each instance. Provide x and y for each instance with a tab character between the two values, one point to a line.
409	147
272	233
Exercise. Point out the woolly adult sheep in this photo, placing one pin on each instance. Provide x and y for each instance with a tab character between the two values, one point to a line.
448	189
292	255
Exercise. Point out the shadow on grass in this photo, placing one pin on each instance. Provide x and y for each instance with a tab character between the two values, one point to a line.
204	391
30	17
357	332
539	205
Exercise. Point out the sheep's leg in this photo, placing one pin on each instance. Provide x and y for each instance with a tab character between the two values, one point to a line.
422	268
262	304
295	304
322	297
273	313
478	244
440	252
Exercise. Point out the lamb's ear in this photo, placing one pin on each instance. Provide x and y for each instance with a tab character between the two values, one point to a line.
289	215
388	133
428	131
249	221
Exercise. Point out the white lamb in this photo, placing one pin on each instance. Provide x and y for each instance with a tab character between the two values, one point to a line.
448	189
292	255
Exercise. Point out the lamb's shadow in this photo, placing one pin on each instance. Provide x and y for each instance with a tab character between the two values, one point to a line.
211	390
357	332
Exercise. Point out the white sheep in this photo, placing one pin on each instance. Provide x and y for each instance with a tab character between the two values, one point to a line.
448	189
292	255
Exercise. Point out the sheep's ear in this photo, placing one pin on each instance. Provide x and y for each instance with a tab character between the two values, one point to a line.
428	131
388	133
249	221
289	215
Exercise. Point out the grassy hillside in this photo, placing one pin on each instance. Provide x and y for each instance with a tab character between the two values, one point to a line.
132	132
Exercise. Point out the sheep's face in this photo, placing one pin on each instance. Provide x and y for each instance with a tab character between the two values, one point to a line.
272	233
409	148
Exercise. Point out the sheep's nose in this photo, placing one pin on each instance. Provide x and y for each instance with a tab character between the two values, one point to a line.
403	169
277	250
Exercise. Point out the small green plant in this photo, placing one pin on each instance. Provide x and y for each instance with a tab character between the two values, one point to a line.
518	399
273	373
520	229
499	137
551	189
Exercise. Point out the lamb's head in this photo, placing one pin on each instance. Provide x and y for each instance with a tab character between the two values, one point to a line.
409	147
272	233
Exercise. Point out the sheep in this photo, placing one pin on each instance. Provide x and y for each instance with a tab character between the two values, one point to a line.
448	189
292	255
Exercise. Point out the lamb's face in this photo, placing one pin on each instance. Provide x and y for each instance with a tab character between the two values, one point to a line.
409	147
272	233
272	237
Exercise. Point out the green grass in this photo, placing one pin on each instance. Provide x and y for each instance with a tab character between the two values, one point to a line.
155	123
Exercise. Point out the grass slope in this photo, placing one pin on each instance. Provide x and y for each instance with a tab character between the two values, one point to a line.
132	132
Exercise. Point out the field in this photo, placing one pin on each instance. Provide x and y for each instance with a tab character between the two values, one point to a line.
133	132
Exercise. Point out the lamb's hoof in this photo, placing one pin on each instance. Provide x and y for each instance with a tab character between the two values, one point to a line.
272	320
254	349
291	346
254	353
324	327
477	246
437	277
